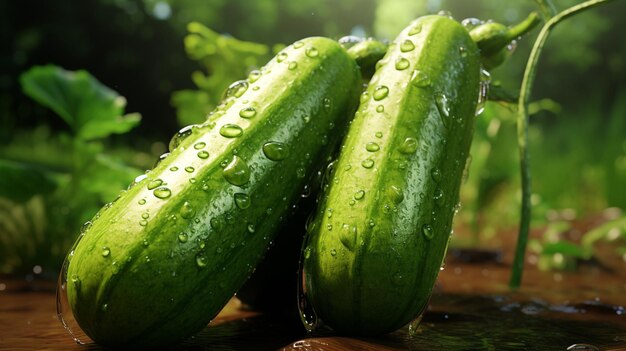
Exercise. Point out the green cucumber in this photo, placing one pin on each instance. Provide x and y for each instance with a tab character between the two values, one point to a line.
376	244
156	265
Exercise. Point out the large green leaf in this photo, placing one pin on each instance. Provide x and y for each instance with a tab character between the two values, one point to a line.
91	109
20	181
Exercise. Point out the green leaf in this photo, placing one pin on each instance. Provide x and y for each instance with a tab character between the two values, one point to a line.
566	248
192	106
106	176
91	109
19	181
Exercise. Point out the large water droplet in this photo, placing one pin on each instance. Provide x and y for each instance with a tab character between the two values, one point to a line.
203	154
420	79
367	163
483	91
281	57
162	192
189	169
312	52
242	200
396	194
275	151
254	76
347	236
201	260
292	65
372	147
380	108
231	131
186	211
407	46
416	29
247	112
402	64
441	100
409	146
471	23
237	172
333	252
349	41
380	92
180	136
199	145
155	183
182	237
106	251
359	194
428	232
236	89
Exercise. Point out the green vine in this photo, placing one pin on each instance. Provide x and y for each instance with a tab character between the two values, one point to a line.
522	124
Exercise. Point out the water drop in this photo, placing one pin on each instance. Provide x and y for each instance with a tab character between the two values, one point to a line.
380	108
201	260
379	135
298	44
359	194
436	175
199	145
242	200
236	89
181	135
463	51
427	230
275	151
407	46
483	91
329	226
409	146
328	104
380	92
292	65
247	112
396	194
231	131
254	76
174	169
364	96
372	147
307	253
182	237
237	172
402	64
162	192
312	52
420	79
186	211
106	251
348	235
203	154
251	228
367	163
145	215
189	169
416	29
142	202
155	183
441	100
281	57
471	23
158	161
333	252
300	173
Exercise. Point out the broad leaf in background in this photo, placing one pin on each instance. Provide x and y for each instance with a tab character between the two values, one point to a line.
91	109
225	59
20	181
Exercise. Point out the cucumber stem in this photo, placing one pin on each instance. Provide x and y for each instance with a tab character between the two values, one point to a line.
522	134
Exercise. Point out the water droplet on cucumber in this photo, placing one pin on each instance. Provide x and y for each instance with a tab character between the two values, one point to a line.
372	147
402	64
247	112
380	92
237	172
407	45
106	251
312	52
236	89
231	131
155	183
201	260
420	79
162	192
427	231
275	151
281	57
367	163
409	146
203	154
242	200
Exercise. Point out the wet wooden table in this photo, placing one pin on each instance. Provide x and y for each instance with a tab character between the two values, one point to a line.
471	309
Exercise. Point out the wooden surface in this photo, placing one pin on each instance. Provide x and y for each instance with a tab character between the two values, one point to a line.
471	309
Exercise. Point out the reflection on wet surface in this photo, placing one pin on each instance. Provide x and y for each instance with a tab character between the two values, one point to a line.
471	309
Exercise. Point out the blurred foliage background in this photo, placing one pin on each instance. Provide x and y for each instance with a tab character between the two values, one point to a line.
67	145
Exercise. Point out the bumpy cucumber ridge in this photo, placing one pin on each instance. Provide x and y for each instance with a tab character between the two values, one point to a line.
377	242
159	263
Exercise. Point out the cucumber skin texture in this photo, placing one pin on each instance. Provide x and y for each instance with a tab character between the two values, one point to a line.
150	290
368	268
